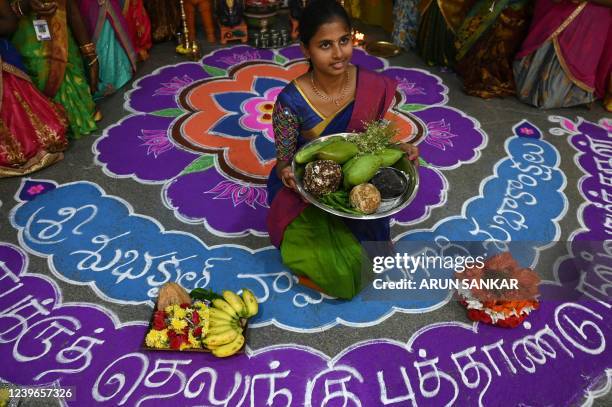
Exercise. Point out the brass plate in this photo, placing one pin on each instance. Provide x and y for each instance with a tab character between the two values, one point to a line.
382	49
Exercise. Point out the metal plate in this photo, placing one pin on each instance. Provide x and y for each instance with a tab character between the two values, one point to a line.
382	49
387	207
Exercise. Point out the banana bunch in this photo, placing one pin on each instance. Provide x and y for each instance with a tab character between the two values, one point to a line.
224	337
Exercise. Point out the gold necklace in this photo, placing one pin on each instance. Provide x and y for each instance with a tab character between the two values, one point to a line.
323	96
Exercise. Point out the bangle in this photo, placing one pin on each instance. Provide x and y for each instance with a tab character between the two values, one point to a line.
93	61
88	49
16	7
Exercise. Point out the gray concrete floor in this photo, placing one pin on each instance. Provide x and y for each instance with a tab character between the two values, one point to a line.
496	116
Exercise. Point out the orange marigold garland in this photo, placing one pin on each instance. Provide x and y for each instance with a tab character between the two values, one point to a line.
505	308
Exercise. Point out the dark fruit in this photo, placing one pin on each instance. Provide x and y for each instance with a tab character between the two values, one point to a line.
389	182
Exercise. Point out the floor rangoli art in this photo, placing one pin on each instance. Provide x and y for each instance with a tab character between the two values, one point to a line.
202	132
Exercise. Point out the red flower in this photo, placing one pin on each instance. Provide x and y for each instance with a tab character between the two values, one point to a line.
184	305
195	318
503	267
177	340
197	331
159	321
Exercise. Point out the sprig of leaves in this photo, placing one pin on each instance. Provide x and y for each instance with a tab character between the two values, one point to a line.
377	136
203	294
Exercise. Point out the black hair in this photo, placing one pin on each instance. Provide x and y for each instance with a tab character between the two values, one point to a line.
319	12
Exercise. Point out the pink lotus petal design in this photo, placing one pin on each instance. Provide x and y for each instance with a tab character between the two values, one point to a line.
174	86
239	194
156	141
239	57
439	134
409	88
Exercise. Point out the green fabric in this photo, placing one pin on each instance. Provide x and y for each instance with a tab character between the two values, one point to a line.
115	66
478	21
74	93
435	40
320	246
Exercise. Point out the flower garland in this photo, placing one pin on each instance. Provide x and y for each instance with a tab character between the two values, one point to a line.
503	308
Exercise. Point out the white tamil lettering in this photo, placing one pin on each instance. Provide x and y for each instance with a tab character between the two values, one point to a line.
74	353
384	397
21	312
506	359
271	379
212	397
475	367
117	382
57	326
9	281
164	371
579	337
427	370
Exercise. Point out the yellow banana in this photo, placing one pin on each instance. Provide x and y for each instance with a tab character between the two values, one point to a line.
250	301
235	302
221	338
215	330
230	348
225	307
216	313
219	322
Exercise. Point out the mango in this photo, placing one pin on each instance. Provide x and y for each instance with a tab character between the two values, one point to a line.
390	156
338	151
309	153
363	169
345	169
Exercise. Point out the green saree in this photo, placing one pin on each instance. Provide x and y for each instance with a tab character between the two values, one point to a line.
59	74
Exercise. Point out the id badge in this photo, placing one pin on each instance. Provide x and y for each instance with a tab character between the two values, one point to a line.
42	30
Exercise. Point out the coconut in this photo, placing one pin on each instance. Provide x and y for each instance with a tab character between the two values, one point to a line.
322	177
365	198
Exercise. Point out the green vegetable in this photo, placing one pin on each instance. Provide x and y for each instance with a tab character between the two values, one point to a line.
309	152
338	151
390	156
339	200
203	294
362	170
345	169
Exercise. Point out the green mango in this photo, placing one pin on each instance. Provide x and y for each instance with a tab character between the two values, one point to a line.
338	151
345	169
363	169
309	153
390	156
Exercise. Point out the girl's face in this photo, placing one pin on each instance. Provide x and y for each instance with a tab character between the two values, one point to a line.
330	49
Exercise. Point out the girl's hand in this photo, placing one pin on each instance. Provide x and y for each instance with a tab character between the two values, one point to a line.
288	178
411	151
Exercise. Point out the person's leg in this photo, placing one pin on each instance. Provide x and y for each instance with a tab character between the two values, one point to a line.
205	8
